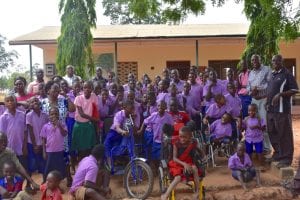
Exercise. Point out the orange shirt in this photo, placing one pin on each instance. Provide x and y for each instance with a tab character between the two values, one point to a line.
55	195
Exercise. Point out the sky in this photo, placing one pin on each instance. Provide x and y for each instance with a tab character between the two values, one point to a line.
20	17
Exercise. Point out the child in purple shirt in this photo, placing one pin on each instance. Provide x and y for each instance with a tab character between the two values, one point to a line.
53	134
35	120
254	127
216	110
174	94
151	105
162	91
137	107
118	129
221	130
153	131
242	168
12	123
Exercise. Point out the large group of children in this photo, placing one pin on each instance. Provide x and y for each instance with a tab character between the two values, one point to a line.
56	125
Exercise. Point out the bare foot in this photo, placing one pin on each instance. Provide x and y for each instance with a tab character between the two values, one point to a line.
163	197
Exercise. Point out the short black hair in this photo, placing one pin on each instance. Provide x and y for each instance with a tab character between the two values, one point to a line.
185	129
167	129
98	151
192	125
56	174
10	163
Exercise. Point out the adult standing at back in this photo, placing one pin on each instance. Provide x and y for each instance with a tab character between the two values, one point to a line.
175	80
33	87
70	76
242	86
279	123
258	80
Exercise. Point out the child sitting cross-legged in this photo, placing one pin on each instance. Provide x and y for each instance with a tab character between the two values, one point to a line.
183	164
242	168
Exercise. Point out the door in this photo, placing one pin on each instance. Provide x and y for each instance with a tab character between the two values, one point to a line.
182	66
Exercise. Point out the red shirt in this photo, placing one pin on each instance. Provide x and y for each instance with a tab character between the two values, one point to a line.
180	119
55	195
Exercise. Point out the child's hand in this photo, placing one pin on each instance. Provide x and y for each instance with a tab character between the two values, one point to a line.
125	133
37	149
24	150
188	168
205	121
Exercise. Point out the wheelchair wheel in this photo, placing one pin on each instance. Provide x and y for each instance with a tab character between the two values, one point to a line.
138	179
163	180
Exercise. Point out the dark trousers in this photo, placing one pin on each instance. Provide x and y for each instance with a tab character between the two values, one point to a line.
281	135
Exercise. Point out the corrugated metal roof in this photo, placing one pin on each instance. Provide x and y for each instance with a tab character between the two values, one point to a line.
49	34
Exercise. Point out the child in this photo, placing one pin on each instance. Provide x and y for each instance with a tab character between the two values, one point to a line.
105	104
84	132
137	107
153	132
42	92
10	182
50	189
254	127
119	128
12	123
151	106
35	120
216	110
167	150
53	134
174	94
242	168
117	100
221	130
90	182
162	91
182	164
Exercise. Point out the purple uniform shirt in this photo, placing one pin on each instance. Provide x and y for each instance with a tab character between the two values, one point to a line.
120	119
155	123
54	138
220	130
234	162
178	97
87	171
253	135
162	96
197	92
14	127
217	89
179	85
234	105
216	112
104	107
37	122
191	104
2	109
71	96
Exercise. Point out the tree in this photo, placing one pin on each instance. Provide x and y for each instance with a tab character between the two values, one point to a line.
6	57
271	21
75	40
148	11
106	61
119	13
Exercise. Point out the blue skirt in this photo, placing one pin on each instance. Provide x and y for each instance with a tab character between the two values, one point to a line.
70	124
55	161
156	149
35	161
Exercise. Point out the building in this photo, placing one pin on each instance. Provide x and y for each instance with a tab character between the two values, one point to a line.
149	48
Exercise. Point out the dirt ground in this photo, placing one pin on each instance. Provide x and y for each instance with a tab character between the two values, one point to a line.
218	182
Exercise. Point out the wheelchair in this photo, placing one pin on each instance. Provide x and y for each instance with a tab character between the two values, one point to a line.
137	174
165	177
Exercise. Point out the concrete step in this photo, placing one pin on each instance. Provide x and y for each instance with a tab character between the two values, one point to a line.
282	173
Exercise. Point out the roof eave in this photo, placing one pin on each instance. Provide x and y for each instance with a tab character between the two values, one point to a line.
120	39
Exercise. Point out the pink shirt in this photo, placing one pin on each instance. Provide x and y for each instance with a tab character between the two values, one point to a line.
14	127
54	138
87	171
86	105
243	80
33	87
37	122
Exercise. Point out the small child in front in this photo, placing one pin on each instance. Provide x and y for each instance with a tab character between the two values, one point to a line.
182	163
10	182
242	168
254	127
50	189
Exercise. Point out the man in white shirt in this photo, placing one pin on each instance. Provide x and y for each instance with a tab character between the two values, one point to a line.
70	77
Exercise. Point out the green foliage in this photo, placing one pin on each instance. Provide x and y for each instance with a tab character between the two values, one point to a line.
105	61
7	82
75	41
151	11
6	57
271	22
119	13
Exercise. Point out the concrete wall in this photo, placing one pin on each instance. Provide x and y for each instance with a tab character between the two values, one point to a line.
155	53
